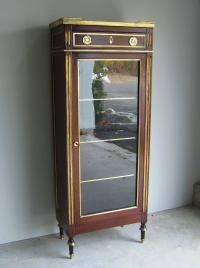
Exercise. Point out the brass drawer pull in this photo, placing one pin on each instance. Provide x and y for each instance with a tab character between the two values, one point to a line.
133	41
111	39
87	40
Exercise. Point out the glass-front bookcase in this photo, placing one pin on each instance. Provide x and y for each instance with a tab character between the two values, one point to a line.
101	80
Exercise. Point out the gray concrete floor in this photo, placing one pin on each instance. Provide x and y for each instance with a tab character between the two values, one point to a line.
172	240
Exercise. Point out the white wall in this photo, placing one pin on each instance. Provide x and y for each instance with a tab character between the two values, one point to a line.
26	173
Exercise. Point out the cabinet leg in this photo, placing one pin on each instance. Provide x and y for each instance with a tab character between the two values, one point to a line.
61	233
143	229
71	247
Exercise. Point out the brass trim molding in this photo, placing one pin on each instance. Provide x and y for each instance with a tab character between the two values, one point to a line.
69	39
88	39
71	122
138	141
102	50
147	132
54	135
69	138
79	21
79	157
66	39
149	39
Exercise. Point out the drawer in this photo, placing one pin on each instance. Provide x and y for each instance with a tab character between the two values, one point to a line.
106	40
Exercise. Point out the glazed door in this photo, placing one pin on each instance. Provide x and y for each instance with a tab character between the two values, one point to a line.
108	99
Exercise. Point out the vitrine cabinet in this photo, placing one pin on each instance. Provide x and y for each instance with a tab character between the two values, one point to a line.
101	80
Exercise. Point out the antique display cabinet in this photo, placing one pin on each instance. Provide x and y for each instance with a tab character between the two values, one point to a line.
101	80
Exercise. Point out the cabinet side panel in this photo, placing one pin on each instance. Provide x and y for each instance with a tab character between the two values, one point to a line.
59	105
58	38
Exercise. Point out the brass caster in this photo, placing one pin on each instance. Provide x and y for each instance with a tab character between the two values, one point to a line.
71	247
61	233
143	229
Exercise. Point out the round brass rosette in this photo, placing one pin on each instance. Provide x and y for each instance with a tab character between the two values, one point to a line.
87	40
133	41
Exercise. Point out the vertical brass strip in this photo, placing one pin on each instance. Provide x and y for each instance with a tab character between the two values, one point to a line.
69	39
54	136
66	39
150	39
138	141
147	40
69	138
79	156
69	132
68	135
147	132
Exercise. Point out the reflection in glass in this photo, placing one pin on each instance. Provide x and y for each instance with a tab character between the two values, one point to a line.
107	195
108	79
118	119
108	117
107	159
108	98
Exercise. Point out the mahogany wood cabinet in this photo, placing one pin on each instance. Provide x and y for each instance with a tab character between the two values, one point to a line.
101	80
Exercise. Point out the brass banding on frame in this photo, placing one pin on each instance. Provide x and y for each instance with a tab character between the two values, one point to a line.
87	40
69	138
101	51
147	132
79	21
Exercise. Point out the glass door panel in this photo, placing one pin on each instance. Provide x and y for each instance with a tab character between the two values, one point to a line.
107	159
112	119
108	119
108	194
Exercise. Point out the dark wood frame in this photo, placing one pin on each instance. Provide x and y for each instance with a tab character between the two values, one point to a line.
65	103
